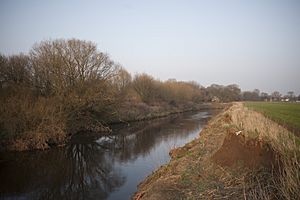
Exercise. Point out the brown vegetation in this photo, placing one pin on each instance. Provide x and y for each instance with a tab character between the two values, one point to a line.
66	86
62	87
239	155
225	93
58	85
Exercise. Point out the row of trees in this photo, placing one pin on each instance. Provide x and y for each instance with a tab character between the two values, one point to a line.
59	84
64	86
256	95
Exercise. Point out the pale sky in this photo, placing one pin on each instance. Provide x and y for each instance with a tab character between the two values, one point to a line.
255	44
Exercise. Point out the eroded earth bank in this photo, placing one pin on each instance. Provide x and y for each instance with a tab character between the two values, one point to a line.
240	154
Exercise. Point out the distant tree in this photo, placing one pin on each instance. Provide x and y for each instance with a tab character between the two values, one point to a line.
256	91
198	91
291	95
251	95
276	96
234	92
3	66
145	87
264	96
15	70
172	80
225	93
122	80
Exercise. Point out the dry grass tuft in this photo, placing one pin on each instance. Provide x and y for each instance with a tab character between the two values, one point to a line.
285	183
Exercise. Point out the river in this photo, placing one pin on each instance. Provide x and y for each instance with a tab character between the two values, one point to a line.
93	167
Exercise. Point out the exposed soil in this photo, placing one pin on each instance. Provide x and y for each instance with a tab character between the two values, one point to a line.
221	164
251	153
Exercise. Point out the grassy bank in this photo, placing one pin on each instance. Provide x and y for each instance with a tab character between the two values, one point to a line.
285	113
239	155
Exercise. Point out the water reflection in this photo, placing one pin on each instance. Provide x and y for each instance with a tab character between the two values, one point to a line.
96	168
80	171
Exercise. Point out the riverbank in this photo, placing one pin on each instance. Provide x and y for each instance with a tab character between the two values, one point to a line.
139	112
126	113
124	159
240	154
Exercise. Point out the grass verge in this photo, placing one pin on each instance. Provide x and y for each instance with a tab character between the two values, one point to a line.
285	113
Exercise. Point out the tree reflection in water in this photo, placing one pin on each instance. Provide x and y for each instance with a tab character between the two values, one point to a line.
78	171
136	141
88	168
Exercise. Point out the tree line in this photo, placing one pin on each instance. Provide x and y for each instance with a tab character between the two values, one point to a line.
256	95
65	86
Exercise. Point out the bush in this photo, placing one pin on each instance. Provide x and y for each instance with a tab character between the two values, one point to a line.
35	122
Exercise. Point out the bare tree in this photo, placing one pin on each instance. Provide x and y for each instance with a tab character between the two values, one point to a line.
291	95
264	96
144	85
276	96
256	91
15	70
225	93
122	80
3	66
60	64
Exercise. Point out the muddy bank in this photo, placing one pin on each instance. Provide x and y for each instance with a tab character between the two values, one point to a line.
251	153
227	161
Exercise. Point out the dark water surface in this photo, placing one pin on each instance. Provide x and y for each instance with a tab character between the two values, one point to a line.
92	167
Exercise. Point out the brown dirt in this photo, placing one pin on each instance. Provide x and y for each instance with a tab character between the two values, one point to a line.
217	165
250	153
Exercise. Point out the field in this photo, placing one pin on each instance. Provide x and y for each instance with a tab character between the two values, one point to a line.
285	113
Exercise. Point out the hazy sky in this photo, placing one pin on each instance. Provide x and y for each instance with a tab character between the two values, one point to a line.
255	44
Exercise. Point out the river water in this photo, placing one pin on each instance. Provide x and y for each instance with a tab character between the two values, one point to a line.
93	167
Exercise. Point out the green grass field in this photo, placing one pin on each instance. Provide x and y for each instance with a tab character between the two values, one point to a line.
284	113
